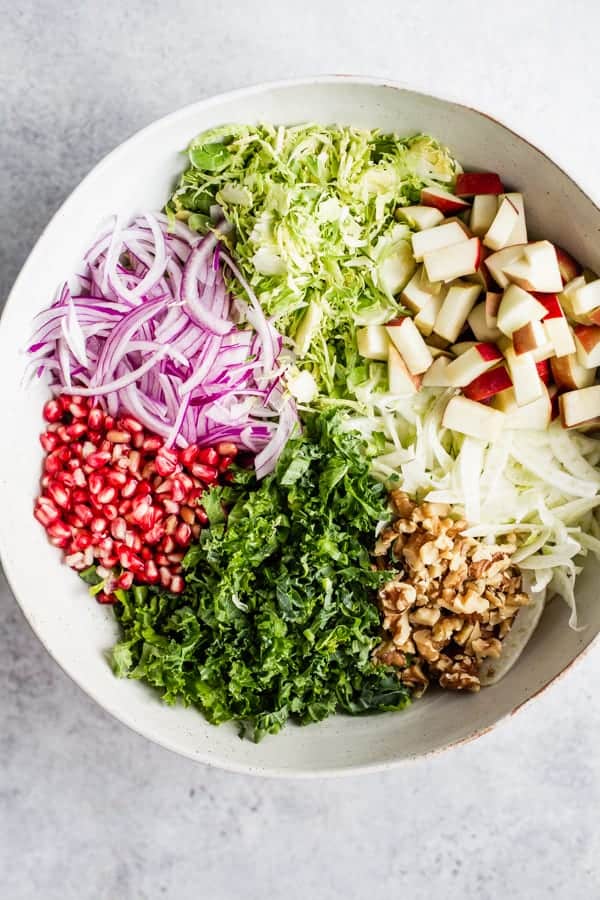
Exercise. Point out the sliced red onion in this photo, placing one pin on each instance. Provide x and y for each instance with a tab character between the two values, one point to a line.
155	337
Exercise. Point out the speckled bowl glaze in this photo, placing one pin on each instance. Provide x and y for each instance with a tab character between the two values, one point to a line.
75	630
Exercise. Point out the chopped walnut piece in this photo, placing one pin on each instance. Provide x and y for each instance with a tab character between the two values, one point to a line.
453	598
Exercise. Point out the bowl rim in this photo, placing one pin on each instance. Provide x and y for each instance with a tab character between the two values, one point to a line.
10	573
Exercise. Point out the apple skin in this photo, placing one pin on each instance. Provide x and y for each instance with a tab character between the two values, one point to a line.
544	371
487	385
569	374
446	202
553	308
488	351
529	337
468	184
569	268
588	336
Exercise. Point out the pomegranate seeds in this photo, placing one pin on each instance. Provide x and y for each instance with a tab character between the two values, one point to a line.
114	495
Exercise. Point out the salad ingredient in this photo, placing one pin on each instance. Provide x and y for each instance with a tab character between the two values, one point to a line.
502	226
149	329
452	601
483	213
315	214
473	419
447	203
121	505
469	184
473	363
579	407
458	303
277	619
408	341
455	261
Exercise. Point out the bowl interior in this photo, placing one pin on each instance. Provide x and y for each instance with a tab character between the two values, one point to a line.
76	631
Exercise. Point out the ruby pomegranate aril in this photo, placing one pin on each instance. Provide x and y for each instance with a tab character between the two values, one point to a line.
113	493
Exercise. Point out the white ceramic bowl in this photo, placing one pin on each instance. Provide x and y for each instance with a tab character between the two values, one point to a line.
75	630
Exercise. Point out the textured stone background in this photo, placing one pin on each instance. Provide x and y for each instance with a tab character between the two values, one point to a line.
90	811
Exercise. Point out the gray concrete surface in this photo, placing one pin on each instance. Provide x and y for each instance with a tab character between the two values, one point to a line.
90	811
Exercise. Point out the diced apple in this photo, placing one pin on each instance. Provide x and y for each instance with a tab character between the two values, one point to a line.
407	340
569	267
537	270
529	337
532	416
499	232
488	384
453	262
524	375
557	328
479	326
401	381
544	371
483	212
580	406
519	233
437	351
425	318
420	217
492	305
473	419
587	342
517	308
435	376
419	291
372	342
586	298
569	374
468	366
497	262
436	238
567	296
468	184
543	353
458	303
443	200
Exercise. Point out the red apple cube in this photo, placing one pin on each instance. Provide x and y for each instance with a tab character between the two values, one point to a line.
407	340
401	381
519	233
517	308
435	376
483	212
372	342
492	305
420	217
468	184
427	315
457	304
473	363
569	267
569	374
586	298
497	262
529	337
537	270
479	326
587	342
452	262
488	384
524	375
446	202
499	233
435	238
532	416
473	419
544	371
580	406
